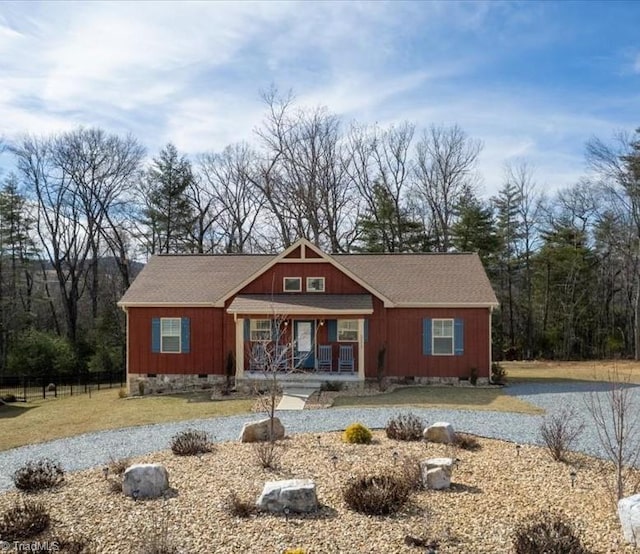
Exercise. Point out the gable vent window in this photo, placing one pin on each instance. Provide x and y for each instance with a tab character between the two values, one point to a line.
315	284
292	284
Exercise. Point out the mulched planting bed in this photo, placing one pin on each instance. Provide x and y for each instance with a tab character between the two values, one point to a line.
494	489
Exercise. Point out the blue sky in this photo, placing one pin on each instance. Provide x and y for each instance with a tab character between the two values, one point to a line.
532	80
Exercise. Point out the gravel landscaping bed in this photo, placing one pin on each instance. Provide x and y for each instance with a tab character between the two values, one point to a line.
494	489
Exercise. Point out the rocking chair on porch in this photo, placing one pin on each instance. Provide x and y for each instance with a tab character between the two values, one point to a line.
325	357
345	361
281	361
258	360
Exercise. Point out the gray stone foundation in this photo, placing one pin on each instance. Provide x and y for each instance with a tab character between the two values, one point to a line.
142	383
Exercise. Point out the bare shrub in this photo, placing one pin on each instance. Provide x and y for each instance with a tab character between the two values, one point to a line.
381	494
23	520
559	431
547	533
191	443
616	416
268	454
114	484
238	507
38	475
464	441
410	473
118	467
405	427
498	374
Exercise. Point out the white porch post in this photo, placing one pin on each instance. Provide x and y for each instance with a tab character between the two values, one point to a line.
361	349
239	348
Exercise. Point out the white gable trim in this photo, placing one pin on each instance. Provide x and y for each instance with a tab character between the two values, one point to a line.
304	244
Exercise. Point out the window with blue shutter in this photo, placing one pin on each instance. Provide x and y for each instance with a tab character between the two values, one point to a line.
442	337
247	329
185	339
458	335
171	335
332	330
426	336
366	330
155	334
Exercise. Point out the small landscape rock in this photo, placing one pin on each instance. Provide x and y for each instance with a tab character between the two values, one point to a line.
629	514
436	479
149	480
258	431
440	431
298	495
436	473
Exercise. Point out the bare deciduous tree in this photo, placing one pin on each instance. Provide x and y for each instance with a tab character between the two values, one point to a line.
615	412
78	179
379	165
616	168
230	177
445	166
303	180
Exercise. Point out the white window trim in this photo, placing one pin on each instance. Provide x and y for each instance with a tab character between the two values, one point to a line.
284	281
339	321
452	337
253	327
315	290
179	335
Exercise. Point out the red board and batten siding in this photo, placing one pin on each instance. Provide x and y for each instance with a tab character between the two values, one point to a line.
335	282
404	335
206	337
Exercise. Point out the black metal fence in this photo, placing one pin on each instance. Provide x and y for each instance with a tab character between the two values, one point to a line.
24	389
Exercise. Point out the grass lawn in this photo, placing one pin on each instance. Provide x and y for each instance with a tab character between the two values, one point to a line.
463	398
593	370
44	420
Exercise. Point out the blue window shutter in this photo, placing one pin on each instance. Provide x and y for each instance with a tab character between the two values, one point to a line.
366	330
185	333
276	331
247	329
332	330
155	334
426	337
458	337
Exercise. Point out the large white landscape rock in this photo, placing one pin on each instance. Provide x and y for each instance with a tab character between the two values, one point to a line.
441	431
298	495
436	479
436	473
629	514
149	480
258	431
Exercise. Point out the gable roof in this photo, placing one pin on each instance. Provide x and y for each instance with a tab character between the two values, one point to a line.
302	245
399	280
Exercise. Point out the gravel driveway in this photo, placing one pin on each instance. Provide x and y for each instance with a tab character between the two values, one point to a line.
94	449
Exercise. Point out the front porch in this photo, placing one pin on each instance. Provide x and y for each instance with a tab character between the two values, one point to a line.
322	336
300	347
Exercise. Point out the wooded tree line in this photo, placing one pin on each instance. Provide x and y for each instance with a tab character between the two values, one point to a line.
81	210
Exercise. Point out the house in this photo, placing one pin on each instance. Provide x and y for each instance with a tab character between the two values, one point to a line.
426	317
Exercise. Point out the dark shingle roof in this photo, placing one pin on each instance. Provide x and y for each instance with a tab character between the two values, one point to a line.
404	279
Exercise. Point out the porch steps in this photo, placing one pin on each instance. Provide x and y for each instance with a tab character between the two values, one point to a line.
295	397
